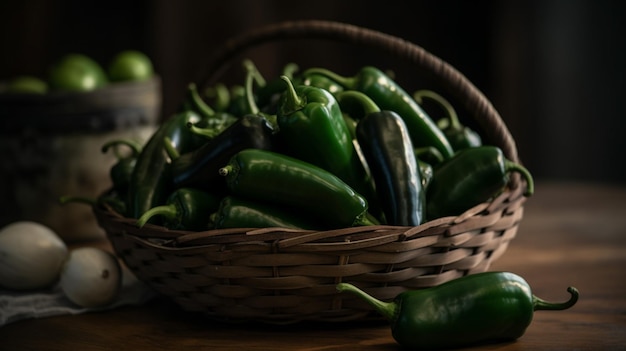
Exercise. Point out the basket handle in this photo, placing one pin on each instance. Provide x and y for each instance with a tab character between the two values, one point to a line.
479	107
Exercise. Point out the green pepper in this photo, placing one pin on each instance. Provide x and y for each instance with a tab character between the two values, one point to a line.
313	129
388	150
478	308
472	176
285	181
322	82
459	136
219	94
429	154
149	182
121	172
199	168
185	208
235	212
389	95
212	122
269	92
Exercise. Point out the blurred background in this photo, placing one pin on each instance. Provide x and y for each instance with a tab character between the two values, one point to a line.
554	69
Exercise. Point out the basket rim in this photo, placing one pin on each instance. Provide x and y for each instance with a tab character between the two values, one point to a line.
457	84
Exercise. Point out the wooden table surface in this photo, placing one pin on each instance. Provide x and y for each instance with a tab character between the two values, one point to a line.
571	234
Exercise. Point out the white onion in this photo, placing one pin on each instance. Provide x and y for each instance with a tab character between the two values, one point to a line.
91	277
31	256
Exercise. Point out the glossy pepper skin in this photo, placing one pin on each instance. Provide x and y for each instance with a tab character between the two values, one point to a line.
199	168
459	136
236	212
389	95
149	183
282	180
185	209
312	128
387	146
121	172
479	308
471	177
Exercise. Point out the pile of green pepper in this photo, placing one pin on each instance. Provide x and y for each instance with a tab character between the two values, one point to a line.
309	149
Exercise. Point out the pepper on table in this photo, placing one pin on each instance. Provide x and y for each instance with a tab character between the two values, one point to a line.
478	308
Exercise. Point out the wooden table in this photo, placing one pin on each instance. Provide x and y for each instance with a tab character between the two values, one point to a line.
571	234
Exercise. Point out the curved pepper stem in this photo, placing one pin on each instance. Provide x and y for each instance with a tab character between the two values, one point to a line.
293	102
135	148
168	211
350	100
453	118
511	166
386	309
346	82
197	103
539	304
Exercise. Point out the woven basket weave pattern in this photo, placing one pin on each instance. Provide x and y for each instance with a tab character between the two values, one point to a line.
279	275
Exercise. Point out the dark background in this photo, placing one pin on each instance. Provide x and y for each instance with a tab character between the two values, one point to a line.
554	69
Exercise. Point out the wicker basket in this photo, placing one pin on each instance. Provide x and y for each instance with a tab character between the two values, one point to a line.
283	276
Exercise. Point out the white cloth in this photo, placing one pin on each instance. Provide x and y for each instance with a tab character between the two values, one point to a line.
20	305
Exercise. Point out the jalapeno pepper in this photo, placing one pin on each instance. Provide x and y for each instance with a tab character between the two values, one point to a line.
186	209
312	128
199	168
149	183
479	308
122	171
470	177
388	150
389	95
459	136
235	212
289	182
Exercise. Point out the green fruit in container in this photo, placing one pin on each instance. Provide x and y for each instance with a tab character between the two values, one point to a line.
27	85
130	65
76	72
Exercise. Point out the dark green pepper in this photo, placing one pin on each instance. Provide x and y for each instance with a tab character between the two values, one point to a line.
199	168
235	212
389	95
149	182
388	150
479	308
185	209
459	136
219	95
312	128
292	183
121	172
472	176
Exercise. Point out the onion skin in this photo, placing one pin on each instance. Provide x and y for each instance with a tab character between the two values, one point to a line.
91	277
31	256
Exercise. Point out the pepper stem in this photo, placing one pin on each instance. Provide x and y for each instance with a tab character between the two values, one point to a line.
135	148
511	166
252	74
540	304
453	118
208	133
220	95
353	101
167	211
293	102
346	82
226	170
199	104
170	149
387	309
